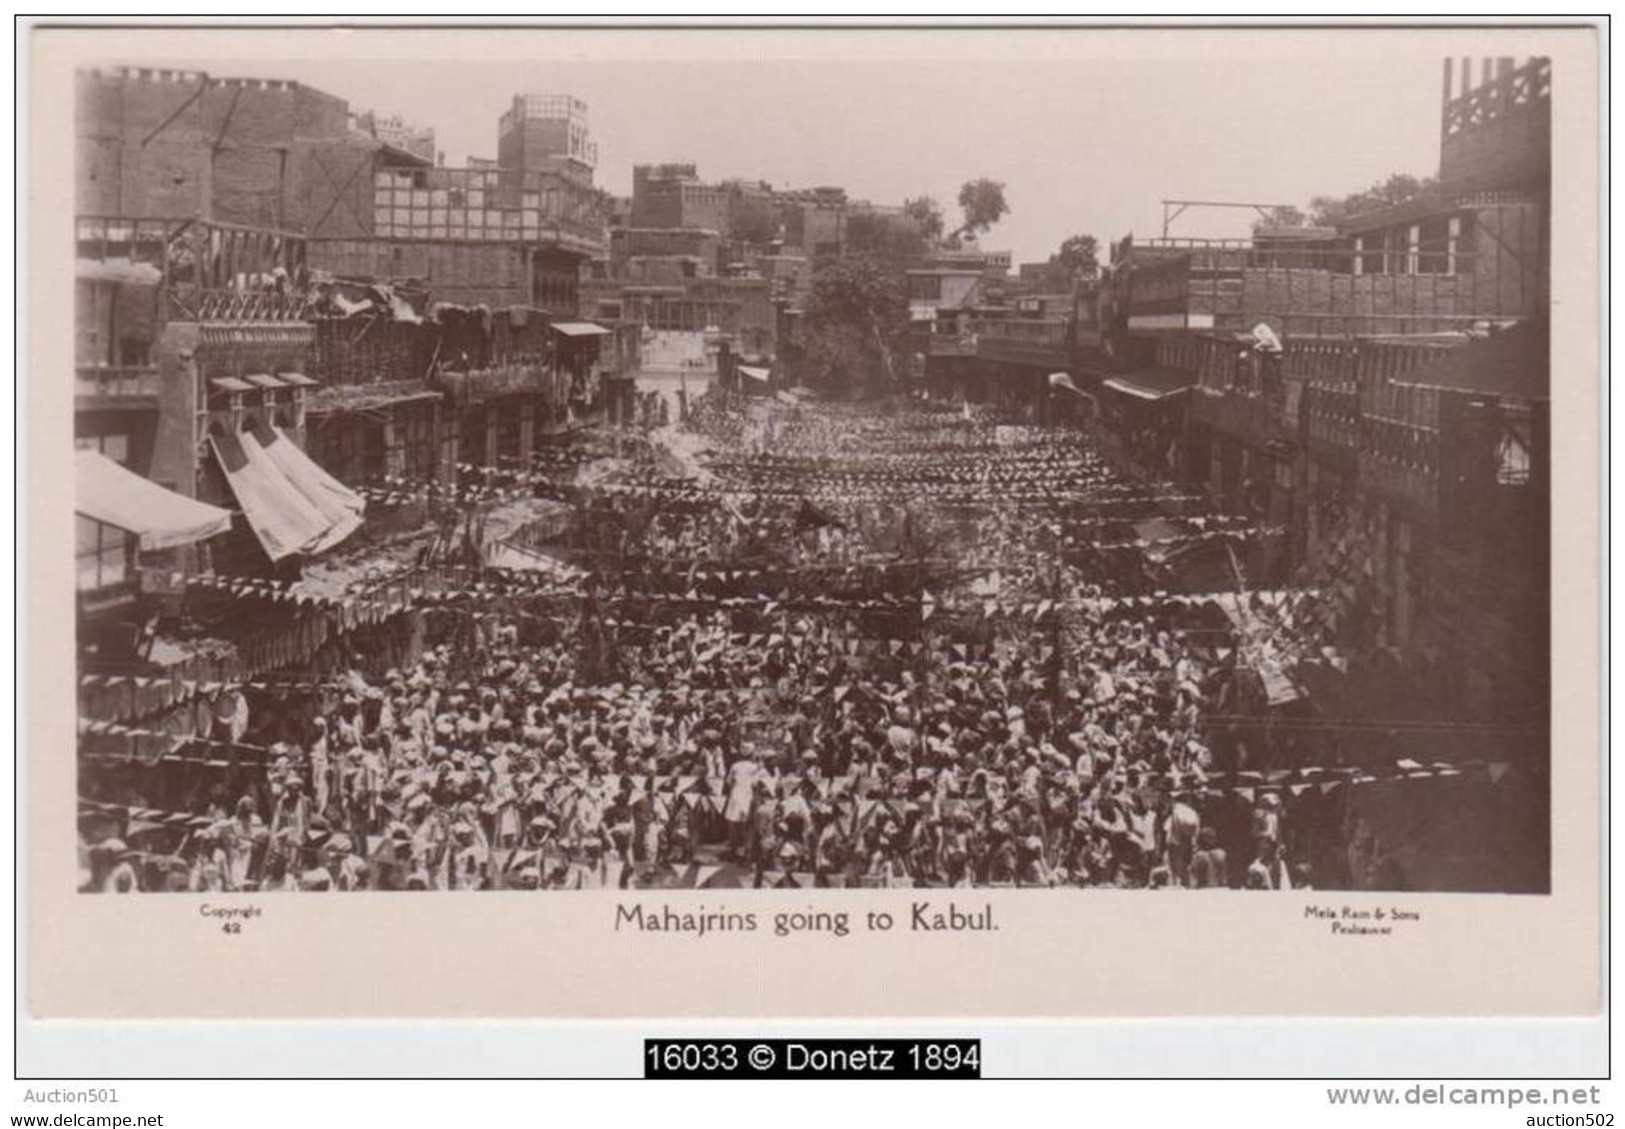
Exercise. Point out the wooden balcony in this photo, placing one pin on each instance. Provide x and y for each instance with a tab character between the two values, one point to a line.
189	304
1320	292
1041	342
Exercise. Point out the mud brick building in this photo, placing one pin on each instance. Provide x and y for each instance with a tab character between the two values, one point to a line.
254	152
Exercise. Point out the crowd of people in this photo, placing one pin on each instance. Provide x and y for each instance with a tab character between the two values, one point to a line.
1002	718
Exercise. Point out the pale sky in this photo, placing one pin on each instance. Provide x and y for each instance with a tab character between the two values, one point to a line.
1083	145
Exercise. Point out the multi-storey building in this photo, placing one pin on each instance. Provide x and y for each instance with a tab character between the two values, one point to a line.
378	261
547	133
495	254
394	132
193	377
1380	394
673	195
695	270
813	220
693	252
739	311
983	342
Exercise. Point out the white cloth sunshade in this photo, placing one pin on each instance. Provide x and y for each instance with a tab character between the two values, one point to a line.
162	519
293	505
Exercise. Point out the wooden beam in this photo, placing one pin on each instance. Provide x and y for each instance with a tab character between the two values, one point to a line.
203	84
225	124
366	160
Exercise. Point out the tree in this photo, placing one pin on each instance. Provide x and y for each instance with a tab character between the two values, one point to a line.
983	204
1287	215
1328	211
927	213
856	317
1078	257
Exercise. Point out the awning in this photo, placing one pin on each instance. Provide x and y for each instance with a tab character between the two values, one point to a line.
262	380
750	371
109	493
293	505
1156	383
231	384
296	379
580	329
332	499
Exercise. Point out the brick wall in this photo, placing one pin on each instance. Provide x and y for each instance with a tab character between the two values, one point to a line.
1509	258
330	187
532	142
183	144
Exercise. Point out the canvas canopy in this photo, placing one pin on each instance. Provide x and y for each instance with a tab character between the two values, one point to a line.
293	505
162	519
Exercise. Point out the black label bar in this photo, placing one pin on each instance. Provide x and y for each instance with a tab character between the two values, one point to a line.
812	1058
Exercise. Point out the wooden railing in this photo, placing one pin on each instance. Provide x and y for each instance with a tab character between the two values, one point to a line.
1502	95
1320	291
235	305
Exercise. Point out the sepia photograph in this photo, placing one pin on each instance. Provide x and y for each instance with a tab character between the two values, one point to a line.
458	508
